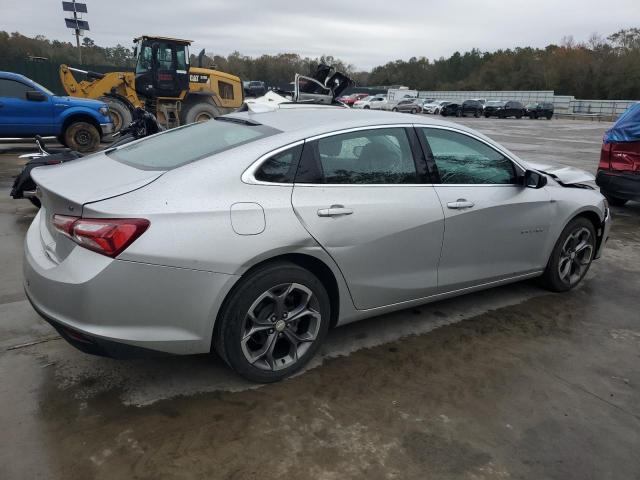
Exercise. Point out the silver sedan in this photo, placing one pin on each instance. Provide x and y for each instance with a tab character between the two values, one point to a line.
253	234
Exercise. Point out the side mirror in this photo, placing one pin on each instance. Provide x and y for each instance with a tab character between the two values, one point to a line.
534	179
35	96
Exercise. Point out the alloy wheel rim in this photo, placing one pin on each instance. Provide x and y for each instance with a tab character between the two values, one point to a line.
575	256
280	326
83	138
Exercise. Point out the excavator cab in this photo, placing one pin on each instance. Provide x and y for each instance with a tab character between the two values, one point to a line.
162	67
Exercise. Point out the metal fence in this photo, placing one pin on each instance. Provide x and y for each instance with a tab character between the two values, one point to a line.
45	72
564	104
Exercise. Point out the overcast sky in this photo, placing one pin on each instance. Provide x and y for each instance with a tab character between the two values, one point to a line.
360	32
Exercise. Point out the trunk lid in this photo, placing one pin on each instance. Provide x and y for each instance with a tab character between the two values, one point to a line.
64	189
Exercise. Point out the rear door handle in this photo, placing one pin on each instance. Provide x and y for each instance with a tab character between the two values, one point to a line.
334	211
460	204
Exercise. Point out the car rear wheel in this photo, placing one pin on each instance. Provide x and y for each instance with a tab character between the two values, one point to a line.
394	109
273	322
82	137
571	256
615	201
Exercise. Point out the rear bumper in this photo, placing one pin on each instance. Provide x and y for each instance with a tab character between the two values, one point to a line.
122	308
621	185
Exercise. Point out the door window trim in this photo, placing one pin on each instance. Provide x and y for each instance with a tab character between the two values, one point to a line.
431	176
248	176
433	168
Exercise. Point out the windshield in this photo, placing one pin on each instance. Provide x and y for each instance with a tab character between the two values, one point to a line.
187	144
494	104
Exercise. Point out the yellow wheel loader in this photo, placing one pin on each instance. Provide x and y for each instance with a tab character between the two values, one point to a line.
163	83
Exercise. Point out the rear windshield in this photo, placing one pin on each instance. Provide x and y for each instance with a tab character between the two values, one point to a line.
187	144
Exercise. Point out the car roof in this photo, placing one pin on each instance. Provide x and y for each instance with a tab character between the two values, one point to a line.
316	120
13	76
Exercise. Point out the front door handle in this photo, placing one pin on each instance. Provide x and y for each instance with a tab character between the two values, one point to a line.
334	211
460	204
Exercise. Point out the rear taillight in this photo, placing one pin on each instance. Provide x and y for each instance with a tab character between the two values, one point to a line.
108	236
605	157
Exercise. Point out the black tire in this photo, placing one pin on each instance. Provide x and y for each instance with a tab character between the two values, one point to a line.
366	107
82	137
394	109
549	117
551	278
200	111
615	201
233	320
486	115
119	112
414	111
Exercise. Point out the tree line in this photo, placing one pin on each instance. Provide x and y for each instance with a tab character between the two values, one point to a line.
606	68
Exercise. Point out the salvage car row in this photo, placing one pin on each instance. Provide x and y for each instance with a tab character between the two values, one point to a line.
471	107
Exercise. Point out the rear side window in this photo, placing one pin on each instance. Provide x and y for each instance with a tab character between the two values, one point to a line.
187	144
281	167
377	156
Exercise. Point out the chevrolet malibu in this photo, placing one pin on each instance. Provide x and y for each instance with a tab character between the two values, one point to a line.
252	234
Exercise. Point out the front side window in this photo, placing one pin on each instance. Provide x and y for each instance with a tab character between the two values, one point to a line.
13	89
378	156
281	167
144	59
461	159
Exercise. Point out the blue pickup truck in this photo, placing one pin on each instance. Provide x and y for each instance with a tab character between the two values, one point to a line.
28	109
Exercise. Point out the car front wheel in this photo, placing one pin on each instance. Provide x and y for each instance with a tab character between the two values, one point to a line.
82	137
273	322
571	256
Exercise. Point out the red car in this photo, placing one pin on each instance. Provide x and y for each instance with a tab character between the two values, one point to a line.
353	98
619	169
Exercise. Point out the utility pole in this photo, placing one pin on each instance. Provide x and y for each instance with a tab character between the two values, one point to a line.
75	17
76	23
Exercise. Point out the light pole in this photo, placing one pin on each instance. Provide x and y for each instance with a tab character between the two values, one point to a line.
75	23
